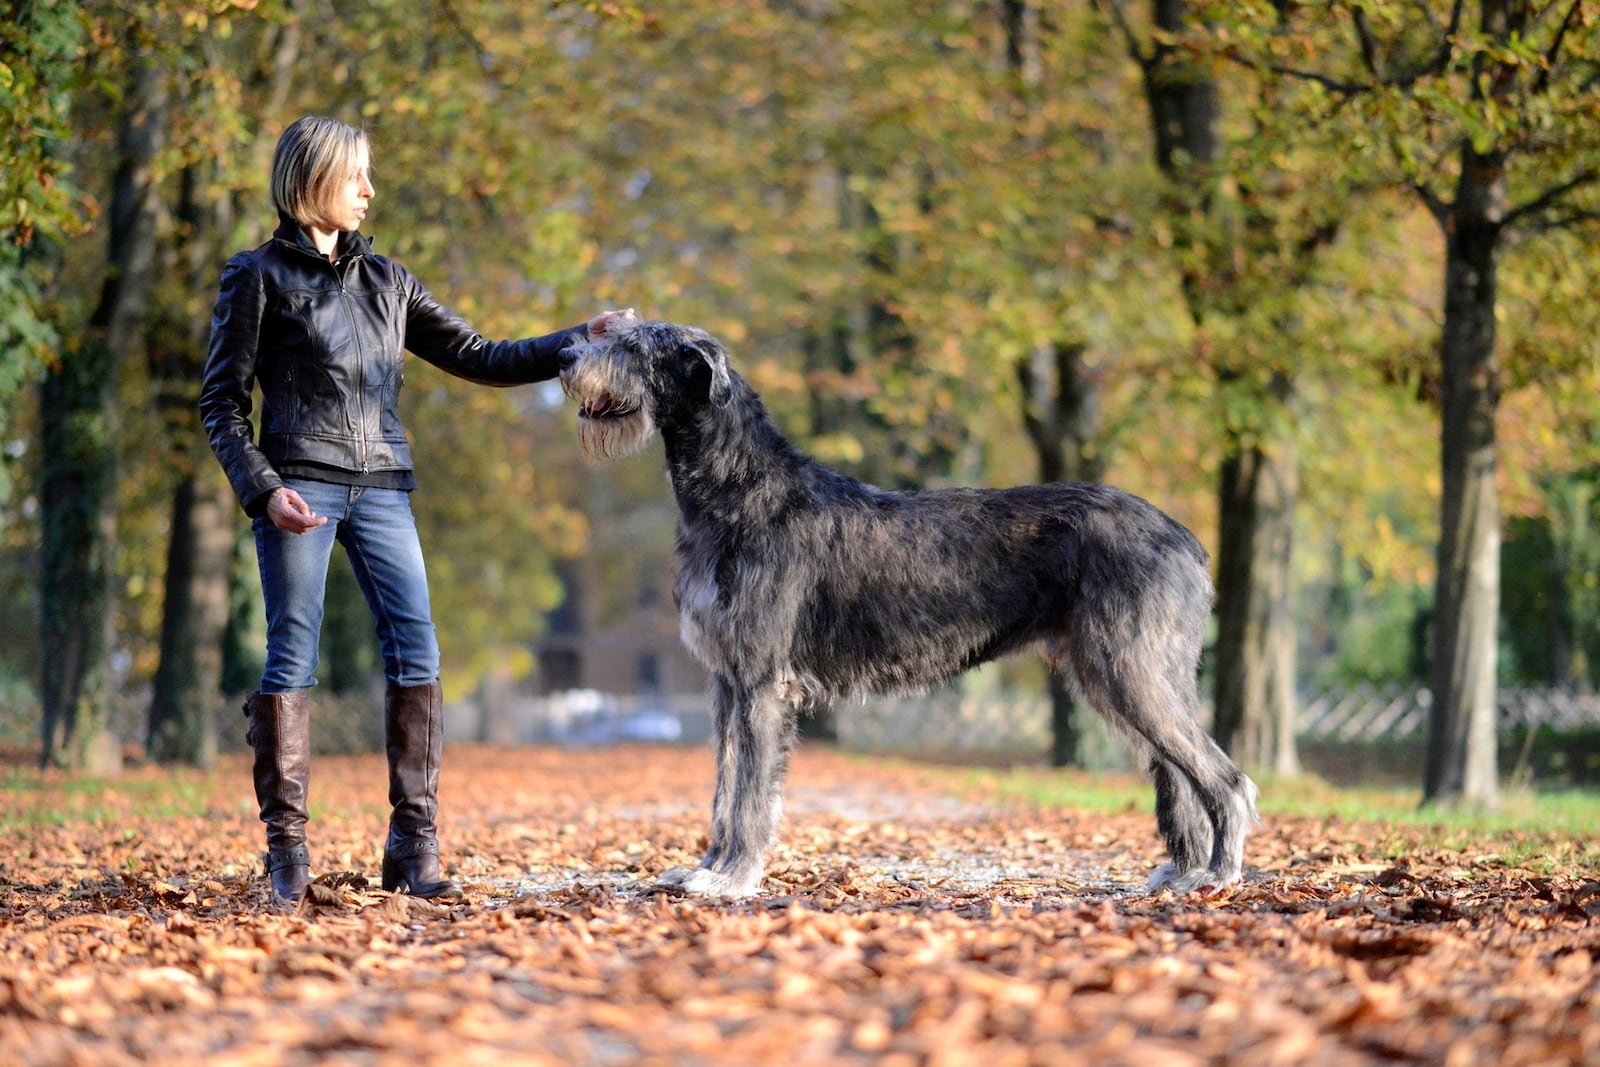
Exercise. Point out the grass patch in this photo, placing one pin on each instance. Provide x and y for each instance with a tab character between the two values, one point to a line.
1079	790
31	798
1572	811
1556	811
1544	832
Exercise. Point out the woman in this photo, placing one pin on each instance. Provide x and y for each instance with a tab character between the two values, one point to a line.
321	323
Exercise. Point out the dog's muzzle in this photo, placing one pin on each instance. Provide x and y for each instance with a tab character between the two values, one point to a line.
606	406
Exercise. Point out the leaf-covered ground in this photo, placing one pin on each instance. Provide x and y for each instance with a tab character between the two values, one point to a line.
902	924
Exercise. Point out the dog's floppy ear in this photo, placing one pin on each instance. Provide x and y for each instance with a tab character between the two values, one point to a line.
706	347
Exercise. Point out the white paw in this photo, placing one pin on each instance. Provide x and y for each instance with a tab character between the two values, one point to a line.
1180	882
700	882
673	877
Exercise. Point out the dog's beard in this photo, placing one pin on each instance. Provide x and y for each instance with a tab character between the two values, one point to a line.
616	436
612	422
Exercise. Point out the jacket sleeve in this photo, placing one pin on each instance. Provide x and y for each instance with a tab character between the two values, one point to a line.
229	375
443	338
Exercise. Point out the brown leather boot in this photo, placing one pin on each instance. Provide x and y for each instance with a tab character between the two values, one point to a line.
280	734
413	725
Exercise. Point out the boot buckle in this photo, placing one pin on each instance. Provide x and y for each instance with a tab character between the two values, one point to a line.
294	856
411	847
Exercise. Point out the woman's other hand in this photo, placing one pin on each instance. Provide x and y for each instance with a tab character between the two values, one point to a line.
288	511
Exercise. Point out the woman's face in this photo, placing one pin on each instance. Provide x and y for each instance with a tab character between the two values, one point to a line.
347	199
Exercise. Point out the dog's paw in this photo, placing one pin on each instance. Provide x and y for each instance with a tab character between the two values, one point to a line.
701	882
673	877
710	883
1170	877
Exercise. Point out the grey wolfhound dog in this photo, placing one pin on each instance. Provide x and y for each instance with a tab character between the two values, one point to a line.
797	584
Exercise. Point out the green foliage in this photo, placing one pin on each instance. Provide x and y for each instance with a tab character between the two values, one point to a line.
1360	630
39	49
19	708
1568	758
1551	608
880	218
244	638
38	64
491	523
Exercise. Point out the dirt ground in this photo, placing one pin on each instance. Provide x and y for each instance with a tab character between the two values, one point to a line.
902	924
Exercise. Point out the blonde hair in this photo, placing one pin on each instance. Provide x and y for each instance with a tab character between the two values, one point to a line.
313	156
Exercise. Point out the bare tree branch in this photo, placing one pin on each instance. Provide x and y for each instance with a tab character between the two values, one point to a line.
1552	54
1371	60
1343	88
1113	8
1436	205
1563	220
1369	47
1551	197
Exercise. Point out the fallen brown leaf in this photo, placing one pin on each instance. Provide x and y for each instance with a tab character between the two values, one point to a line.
902	924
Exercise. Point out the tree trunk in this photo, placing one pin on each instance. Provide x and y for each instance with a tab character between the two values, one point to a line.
77	494
1461	740
1060	388
1061	411
1255	654
188	685
1184	111
77	530
1254	692
497	699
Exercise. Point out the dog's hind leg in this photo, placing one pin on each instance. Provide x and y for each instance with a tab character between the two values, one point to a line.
1205	799
1142	680
755	731
1184	823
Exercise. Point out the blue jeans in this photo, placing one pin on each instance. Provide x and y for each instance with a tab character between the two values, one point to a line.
380	537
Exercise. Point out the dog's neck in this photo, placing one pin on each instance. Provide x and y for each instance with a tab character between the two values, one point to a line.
734	447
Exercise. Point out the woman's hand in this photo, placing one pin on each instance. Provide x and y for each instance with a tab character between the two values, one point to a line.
601	325
288	511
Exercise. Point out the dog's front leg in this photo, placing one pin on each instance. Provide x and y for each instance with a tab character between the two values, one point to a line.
723	737
754	731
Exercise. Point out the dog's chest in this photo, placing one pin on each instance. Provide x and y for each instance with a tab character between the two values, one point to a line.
702	623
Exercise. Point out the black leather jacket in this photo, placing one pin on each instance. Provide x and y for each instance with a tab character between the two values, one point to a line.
326	340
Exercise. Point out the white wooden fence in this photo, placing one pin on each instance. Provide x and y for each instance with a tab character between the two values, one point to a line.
994	719
950	721
1367	712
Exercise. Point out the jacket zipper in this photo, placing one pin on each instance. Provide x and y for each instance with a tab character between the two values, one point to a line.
361	366
361	363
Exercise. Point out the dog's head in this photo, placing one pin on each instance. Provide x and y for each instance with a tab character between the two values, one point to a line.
641	377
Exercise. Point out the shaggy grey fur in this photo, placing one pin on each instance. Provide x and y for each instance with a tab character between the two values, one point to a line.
797	584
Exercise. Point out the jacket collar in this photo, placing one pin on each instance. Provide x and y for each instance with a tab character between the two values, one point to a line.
351	242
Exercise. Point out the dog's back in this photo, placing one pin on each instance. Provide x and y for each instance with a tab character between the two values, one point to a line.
919	587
